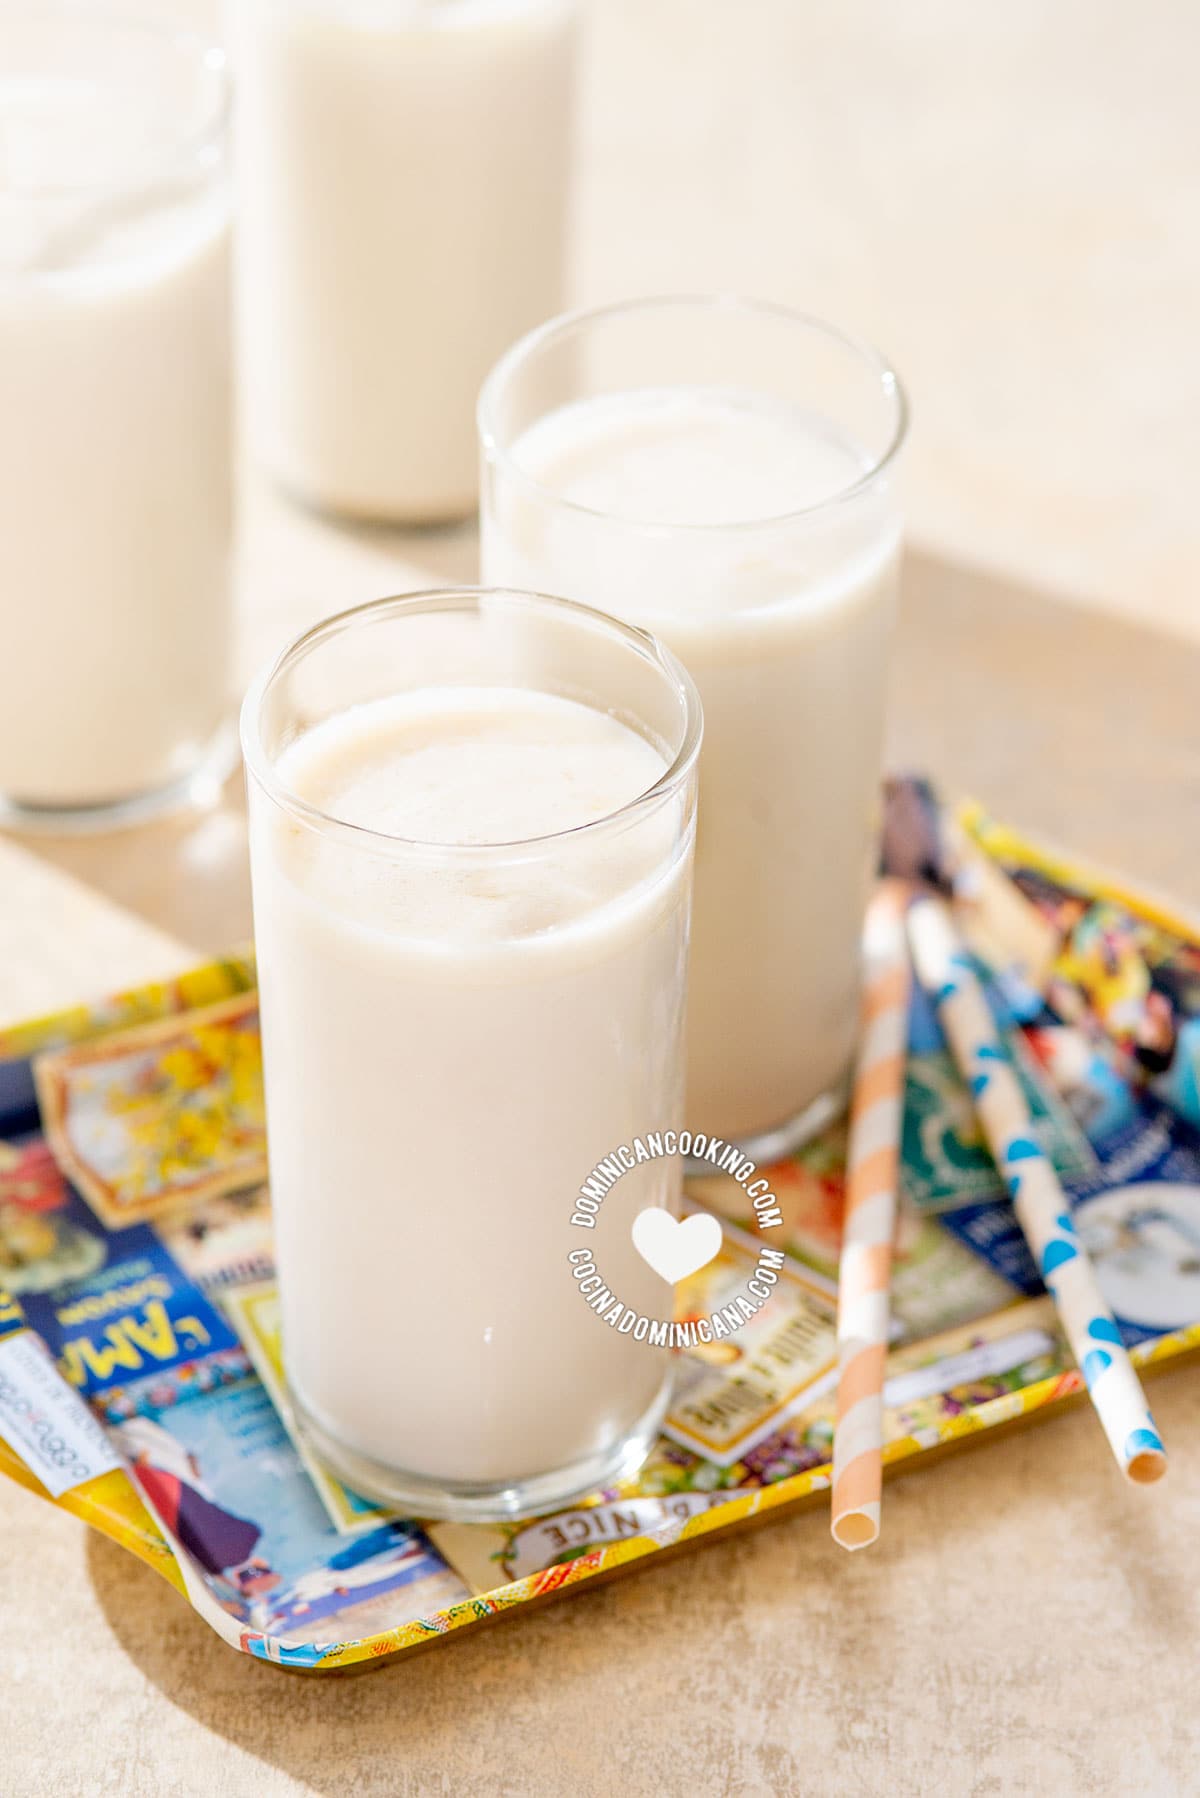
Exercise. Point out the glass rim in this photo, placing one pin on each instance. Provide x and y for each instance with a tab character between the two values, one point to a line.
560	326
261	766
206	53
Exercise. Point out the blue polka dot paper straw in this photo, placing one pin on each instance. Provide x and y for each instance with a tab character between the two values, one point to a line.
945	971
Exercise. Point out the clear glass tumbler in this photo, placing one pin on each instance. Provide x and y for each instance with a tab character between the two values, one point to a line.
115	450
462	1017
722	472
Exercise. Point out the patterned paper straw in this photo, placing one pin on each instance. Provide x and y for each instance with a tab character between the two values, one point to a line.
865	1273
1041	1206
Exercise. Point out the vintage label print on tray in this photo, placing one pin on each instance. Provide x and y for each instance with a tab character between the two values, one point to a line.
139	1350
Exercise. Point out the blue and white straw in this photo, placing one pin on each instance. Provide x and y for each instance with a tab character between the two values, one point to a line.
1041	1206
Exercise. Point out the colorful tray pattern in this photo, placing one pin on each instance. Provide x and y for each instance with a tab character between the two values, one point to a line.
134	1241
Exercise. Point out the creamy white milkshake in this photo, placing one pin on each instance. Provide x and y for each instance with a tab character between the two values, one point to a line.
743	527
115	487
471	943
403	171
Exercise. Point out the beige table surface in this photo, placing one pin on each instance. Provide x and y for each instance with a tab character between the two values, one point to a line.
1005	197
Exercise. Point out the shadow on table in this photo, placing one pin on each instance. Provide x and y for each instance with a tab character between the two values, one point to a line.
1025	1568
1069	724
436	1713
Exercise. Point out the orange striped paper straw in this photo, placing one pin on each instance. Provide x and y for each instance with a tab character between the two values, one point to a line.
864	1276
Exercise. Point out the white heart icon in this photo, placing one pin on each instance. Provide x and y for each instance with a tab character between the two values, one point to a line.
675	1247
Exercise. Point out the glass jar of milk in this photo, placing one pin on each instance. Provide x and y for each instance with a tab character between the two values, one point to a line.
723	473
471	827
403	176
115	499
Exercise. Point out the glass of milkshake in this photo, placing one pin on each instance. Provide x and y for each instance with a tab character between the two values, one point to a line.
115	449
723	473
471	827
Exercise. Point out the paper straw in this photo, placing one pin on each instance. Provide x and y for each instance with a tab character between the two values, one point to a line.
864	1276
1041	1206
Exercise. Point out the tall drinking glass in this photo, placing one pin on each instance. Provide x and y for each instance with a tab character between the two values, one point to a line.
723	473
115	454
471	827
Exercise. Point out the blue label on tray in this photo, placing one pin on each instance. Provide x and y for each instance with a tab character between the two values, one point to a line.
1137	1208
113	1307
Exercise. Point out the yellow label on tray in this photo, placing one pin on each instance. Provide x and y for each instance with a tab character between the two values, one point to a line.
168	1113
735	1392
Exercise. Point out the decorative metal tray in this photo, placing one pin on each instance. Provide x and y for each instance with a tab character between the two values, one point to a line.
139	1342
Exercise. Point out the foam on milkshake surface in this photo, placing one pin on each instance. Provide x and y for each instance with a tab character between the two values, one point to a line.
708	456
469	766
